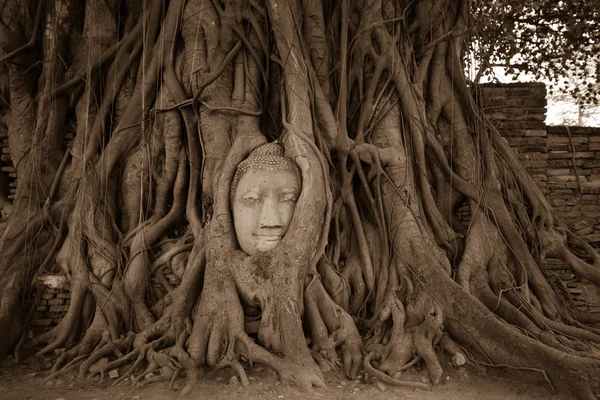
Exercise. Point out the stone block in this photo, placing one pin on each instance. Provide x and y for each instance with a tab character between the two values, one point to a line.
590	197
556	186
535	132
559	192
559	154
64	295
541	186
48	296
561	163
563	202
591	211
533	156
554	139
570	214
561	179
539	177
55	302
584	154
595	163
513	125
569	147
536	171
61	308
561	171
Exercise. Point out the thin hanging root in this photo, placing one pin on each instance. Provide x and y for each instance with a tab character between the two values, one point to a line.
388	379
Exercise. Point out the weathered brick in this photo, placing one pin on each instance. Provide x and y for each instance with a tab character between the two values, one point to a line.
563	192
591	163
62	308
539	177
584	154
562	178
559	154
568	147
561	163
533	156
563	202
535	132
55	302
562	171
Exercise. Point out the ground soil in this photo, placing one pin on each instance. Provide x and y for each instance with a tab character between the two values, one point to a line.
25	381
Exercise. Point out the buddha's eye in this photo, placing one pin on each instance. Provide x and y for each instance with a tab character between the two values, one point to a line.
251	198
291	197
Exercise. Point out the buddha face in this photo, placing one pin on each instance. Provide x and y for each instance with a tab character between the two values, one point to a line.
263	206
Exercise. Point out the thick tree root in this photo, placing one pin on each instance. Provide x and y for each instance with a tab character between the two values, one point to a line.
388	379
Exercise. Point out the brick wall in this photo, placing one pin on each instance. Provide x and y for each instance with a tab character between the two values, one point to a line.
563	161
54	301
565	164
518	111
574	178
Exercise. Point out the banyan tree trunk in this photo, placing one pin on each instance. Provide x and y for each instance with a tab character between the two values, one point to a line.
164	99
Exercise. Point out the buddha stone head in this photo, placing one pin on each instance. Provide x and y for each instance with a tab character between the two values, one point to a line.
264	192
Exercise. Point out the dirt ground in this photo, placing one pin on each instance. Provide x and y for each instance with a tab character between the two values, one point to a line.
25	381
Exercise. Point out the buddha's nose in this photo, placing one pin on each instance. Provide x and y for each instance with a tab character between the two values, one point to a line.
269	216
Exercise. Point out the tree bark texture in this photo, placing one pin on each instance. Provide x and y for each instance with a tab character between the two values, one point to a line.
165	98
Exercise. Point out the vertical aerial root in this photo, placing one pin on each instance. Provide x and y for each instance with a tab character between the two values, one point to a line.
340	325
426	336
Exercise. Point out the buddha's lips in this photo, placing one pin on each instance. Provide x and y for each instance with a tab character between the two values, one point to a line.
268	238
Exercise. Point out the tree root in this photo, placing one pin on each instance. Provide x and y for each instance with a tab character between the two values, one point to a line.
388	379
339	328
